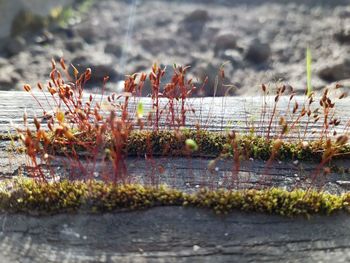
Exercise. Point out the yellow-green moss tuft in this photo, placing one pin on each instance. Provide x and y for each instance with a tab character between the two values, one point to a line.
213	144
30	196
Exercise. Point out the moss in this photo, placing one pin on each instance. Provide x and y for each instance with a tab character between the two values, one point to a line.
30	196
173	143
8	137
210	144
62	15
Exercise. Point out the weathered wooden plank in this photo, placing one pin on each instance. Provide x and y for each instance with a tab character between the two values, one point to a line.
174	234
191	174
216	114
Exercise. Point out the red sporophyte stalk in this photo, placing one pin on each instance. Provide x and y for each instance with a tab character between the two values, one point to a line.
101	127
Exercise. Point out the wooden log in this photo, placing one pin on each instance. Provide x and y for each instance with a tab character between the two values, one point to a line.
175	234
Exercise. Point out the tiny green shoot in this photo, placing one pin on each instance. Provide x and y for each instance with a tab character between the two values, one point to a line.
191	145
140	110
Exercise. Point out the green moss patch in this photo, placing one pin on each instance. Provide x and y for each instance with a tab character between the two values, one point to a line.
8	137
213	144
30	196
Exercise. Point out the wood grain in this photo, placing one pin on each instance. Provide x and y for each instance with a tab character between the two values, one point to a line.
214	114
175	234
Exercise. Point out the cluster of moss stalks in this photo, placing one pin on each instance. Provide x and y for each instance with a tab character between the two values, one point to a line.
30	196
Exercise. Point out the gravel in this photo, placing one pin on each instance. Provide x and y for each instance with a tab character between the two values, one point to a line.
257	41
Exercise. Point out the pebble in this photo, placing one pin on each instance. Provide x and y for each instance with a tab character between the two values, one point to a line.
224	42
196	248
343	36
15	45
336	71
258	52
198	15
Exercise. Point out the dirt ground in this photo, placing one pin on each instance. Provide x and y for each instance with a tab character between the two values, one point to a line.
256	41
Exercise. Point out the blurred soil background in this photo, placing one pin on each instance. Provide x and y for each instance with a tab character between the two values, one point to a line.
254	41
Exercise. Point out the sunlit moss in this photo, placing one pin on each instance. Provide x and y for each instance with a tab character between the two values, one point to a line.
213	144
62	15
30	196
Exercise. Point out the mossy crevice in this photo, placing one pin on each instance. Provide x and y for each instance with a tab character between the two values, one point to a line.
30	196
211	144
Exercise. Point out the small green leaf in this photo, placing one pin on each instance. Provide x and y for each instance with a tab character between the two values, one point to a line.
191	145
140	110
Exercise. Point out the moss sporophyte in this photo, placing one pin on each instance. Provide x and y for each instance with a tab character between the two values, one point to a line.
120	125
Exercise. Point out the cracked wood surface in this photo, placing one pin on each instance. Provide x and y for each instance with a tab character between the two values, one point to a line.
175	234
